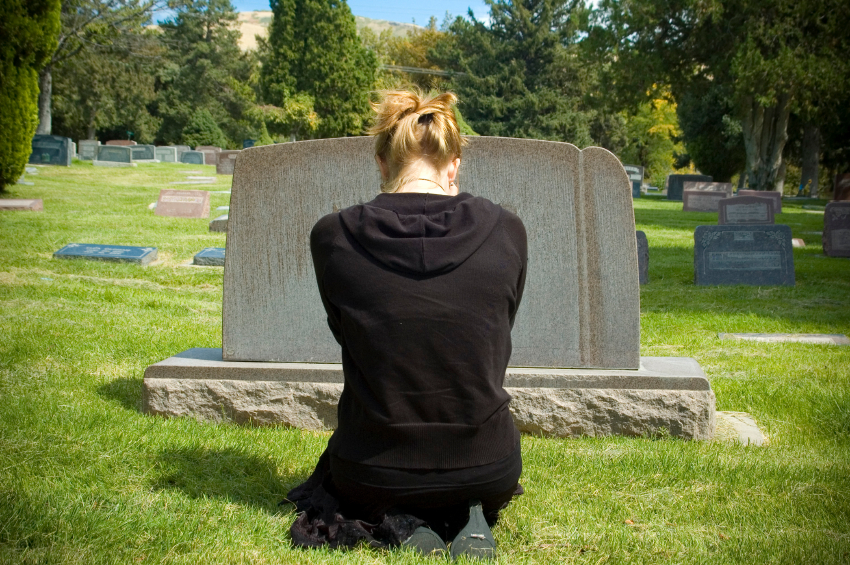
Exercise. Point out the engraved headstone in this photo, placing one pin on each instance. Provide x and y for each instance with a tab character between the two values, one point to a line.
841	190
120	142
183	203
701	200
166	154
635	173
88	149
246	143
226	161
725	187
114	156
219	224
836	229
676	184
643	257
750	255
143	153
745	210
119	253
31	205
51	150
211	256
180	150
775	197
210	156
192	157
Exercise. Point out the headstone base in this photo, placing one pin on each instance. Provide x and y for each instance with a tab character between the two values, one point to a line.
666	392
97	163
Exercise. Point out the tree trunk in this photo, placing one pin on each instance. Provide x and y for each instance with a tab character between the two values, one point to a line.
780	177
765	135
45	93
811	157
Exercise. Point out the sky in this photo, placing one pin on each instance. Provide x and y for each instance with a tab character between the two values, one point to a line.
394	11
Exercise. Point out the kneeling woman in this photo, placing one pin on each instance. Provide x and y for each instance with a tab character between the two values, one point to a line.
421	286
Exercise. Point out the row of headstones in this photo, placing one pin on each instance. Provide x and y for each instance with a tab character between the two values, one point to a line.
208	257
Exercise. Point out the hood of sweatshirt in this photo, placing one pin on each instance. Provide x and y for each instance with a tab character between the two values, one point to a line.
421	233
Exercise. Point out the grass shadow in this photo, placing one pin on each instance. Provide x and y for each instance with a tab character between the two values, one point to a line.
230	474
126	391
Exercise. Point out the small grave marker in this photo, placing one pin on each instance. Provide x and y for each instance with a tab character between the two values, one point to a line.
226	161
183	203
676	184
643	257
836	230
746	210
211	256
88	149
34	205
635	173
193	157
120	253
219	224
775	197
751	255
829	339
51	150
701	200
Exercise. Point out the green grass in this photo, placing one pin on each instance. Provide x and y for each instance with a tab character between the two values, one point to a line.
85	477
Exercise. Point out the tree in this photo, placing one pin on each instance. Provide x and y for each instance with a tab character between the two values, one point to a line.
313	50
773	54
202	130
29	29
652	134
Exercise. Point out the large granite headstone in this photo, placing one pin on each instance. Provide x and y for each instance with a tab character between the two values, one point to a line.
193	157
211	257
581	308
750	255
51	150
836	229
775	197
226	160
745	210
29	205
725	187
701	200
120	142
183	203
114	156
643	257
88	149
676	184
841	190
166	154
143	153
119	253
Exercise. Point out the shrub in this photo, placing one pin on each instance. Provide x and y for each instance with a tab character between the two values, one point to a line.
203	130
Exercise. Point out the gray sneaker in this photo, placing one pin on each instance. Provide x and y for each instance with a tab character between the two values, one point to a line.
475	539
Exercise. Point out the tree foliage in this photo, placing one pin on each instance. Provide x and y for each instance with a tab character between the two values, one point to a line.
652	137
202	129
29	29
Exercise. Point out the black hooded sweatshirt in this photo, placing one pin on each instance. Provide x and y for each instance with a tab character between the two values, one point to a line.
421	292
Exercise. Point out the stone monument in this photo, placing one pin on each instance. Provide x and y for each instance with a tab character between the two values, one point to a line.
725	187
676	184
88	149
775	197
575	369
643	258
166	154
225	162
751	255
29	205
144	153
180	150
836	229
635	173
219	224
114	156
183	203
701	200
193	157
745	210
51	150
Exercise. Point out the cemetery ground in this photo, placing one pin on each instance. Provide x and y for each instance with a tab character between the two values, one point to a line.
85	477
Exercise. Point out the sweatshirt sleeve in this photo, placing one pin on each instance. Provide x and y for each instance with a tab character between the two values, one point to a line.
321	248
517	234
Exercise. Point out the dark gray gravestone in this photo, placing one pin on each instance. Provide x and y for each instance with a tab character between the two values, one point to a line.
226	160
643	257
775	197
166	154
180	150
143	152
676	184
246	143
635	173
51	150
88	149
192	157
751	255
746	211
219	224
701	200
114	154
120	253
211	256
836	229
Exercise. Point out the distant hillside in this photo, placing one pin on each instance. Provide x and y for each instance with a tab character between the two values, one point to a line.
256	23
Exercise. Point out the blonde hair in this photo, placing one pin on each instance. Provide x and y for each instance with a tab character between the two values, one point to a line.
410	126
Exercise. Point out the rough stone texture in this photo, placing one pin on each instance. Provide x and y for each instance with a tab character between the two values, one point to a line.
225	162
836	229
120	142
752	255
144	153
88	149
219	224
725	187
98	252
193	157
210	257
114	154
701	200
643	257
775	197
34	205
166	154
746	210
670	393
828	339
581	304
183	203
51	150
676	184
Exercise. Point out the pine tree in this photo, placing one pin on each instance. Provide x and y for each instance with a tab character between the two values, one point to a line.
313	49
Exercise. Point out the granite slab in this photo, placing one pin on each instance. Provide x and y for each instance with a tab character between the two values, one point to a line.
118	253
749	255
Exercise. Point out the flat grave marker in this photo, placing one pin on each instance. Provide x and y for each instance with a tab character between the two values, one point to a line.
193	158
701	200
676	184
183	203
119	253
114	156
226	161
749	255
211	256
829	339
219	224
166	154
725	187
774	196
31	205
51	150
746	210
88	149
836	230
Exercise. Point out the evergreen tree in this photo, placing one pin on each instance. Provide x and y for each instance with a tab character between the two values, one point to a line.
202	130
313	50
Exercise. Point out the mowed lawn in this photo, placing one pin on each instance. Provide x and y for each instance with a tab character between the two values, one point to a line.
85	477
